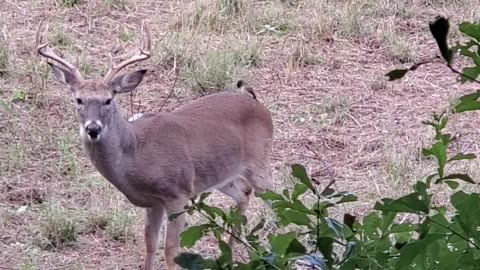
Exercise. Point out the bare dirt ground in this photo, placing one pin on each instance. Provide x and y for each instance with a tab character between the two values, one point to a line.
318	65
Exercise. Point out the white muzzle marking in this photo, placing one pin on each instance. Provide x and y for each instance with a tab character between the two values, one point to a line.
83	133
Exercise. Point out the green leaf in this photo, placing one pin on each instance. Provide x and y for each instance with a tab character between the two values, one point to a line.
299	172
469	74
335	226
468	103
191	235
371	225
424	228
459	198
298	190
442	122
460	176
439	151
271	196
439	29
411	251
327	191
399	228
452	184
210	263
280	243
175	215
295	249
467	215
429	179
325	246
203	196
280	206
387	220
297	217
421	188
190	261
315	261
235	218
258	226
462	156
226	253
347	198
470	29
411	203
212	211
351	250
396	74
321	208
253	264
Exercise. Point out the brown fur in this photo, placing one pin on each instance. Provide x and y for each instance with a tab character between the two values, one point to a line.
159	161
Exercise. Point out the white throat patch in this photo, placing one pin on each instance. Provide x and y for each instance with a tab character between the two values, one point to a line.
135	117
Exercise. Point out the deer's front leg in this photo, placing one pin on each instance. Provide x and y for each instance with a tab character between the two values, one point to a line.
172	239
153	225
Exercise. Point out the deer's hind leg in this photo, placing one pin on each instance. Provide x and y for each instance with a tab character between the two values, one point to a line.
239	190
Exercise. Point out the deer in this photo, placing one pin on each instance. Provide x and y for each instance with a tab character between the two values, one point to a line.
161	160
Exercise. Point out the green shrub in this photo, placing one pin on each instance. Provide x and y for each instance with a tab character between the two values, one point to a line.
4	60
59	228
433	238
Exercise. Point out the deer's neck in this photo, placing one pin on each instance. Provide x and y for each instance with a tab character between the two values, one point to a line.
108	155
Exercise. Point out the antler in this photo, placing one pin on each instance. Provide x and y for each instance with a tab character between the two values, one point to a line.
143	53
43	49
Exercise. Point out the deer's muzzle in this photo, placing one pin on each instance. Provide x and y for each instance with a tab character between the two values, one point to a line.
93	131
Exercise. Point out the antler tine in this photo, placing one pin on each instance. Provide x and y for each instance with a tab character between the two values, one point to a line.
42	48
147	38
142	53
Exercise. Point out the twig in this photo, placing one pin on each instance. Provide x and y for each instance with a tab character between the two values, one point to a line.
171	92
454	70
201	86
232	234
330	173
354	120
228	232
454	232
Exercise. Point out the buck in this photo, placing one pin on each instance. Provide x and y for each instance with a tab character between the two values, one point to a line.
160	161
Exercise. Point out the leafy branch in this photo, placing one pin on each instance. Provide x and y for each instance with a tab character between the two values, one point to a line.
433	240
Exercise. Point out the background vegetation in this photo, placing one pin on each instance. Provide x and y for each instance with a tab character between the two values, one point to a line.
318	65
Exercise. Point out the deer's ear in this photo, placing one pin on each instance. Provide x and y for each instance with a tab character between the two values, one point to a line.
127	82
64	76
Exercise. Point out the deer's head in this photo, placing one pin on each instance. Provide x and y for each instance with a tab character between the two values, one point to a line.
95	99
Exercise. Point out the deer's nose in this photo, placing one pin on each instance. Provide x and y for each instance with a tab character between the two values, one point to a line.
93	130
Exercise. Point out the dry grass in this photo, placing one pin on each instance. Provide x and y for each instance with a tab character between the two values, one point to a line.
317	66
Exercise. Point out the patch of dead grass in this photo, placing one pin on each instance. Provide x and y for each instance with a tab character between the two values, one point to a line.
365	132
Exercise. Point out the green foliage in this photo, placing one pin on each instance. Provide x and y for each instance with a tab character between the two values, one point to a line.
214	70
59	228
70	3
119	226
432	239
126	35
4	60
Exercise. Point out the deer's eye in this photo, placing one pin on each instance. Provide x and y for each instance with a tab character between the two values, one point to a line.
108	101
79	101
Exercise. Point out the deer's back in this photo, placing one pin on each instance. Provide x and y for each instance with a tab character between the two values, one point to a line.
206	142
